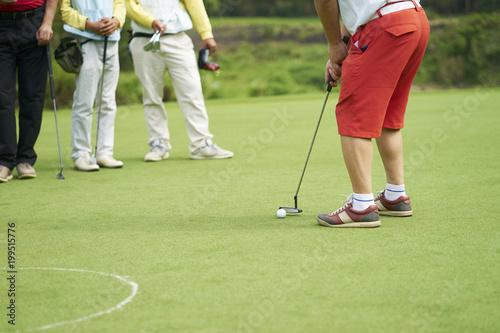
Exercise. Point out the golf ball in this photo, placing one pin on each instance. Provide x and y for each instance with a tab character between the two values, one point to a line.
281	213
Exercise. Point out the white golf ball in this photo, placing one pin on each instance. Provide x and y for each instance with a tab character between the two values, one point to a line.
281	213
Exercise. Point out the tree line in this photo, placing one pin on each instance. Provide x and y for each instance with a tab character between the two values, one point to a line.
299	8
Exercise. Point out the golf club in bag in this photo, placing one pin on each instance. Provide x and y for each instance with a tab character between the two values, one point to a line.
295	209
93	158
52	90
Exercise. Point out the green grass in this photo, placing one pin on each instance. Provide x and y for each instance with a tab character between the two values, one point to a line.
203	243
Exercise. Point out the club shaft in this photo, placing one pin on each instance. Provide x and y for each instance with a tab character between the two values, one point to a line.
312	143
53	93
172	12
345	39
57	131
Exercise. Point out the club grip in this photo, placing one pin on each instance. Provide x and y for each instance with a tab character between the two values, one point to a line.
345	39
105	48
51	73
328	85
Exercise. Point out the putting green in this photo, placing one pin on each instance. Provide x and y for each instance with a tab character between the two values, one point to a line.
202	241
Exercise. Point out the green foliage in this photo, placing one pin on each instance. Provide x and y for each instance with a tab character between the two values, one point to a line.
261	57
282	8
267	69
300	8
463	51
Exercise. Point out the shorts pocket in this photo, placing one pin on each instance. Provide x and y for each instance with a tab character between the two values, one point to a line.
354	49
401	29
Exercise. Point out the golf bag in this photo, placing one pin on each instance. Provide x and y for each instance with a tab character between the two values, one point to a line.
69	55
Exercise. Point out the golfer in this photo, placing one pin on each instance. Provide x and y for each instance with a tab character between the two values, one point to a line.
25	29
176	55
90	22
387	44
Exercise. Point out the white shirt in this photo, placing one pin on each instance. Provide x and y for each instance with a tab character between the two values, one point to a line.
356	13
168	12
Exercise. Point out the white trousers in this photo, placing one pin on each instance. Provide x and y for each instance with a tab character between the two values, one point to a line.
88	94
176	56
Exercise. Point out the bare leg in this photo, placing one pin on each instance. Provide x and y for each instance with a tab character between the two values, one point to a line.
390	146
358	157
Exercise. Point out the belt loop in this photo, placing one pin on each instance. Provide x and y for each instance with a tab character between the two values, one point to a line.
379	13
417	7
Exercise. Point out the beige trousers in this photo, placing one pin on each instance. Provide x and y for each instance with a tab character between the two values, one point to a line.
88	94
177	57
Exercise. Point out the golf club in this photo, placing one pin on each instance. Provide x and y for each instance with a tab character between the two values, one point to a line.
203	62
52	90
154	42
93	158
295	209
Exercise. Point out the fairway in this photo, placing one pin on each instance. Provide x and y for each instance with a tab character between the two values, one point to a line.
195	246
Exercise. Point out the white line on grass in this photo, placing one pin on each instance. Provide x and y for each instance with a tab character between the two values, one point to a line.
132	284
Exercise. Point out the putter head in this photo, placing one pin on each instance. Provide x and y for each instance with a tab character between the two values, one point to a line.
60	176
211	66
203	62
291	210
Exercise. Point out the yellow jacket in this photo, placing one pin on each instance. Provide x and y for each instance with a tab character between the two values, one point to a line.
195	8
77	20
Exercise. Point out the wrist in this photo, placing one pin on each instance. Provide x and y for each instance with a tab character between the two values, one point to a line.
336	42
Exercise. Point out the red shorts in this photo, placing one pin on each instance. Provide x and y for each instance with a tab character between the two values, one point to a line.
378	73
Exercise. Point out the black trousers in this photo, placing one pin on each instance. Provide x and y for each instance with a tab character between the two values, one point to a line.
21	55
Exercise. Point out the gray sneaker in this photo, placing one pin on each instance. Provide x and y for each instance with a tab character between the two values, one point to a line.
400	207
210	151
158	152
5	174
25	171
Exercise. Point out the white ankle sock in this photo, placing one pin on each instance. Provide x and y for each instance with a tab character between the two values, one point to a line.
362	201
392	192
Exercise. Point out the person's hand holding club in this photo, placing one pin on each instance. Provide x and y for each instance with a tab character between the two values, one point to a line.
337	53
44	34
94	27
210	44
109	26
157	25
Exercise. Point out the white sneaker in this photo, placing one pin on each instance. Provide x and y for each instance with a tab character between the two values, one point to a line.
83	163
107	161
158	152
210	151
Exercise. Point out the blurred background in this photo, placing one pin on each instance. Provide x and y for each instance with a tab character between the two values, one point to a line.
278	47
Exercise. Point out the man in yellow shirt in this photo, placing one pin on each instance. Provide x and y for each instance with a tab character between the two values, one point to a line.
91	21
176	55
